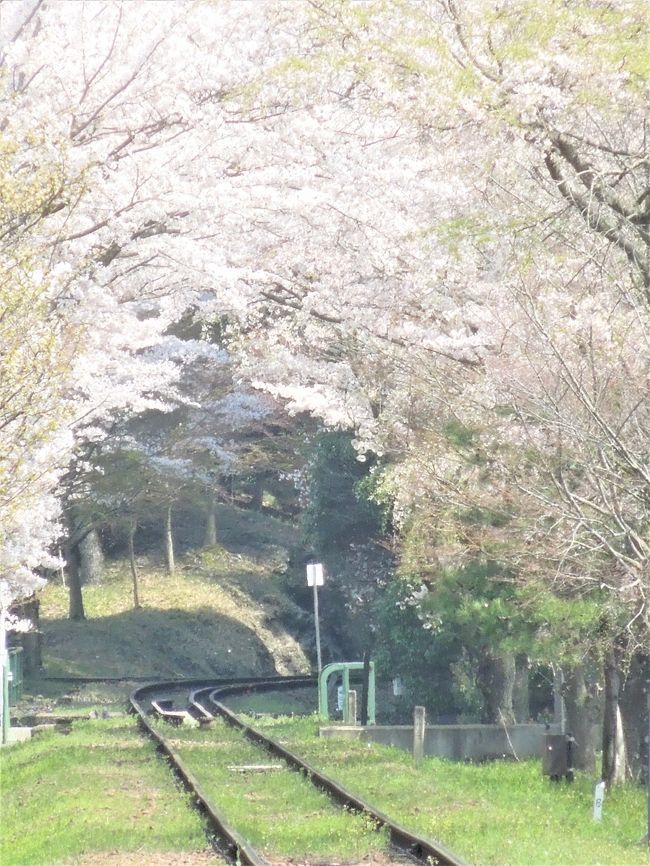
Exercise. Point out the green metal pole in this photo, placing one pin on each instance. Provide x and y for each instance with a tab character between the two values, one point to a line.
4	663
371	695
5	703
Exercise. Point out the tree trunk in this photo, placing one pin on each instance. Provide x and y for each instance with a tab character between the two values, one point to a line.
210	525
257	493
495	680
91	558
134	567
559	704
634	712
521	690
169	542
76	605
31	641
614	760
582	711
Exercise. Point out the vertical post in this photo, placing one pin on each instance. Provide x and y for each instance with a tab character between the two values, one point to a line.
648	757
4	669
365	688
372	700
315	579
317	623
419	726
352	708
559	711
599	796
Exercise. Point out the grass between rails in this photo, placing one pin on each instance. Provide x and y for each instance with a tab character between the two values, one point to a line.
279	812
100	789
492	814
303	701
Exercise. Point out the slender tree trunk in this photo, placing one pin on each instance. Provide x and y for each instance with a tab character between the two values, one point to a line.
633	704
521	689
169	542
134	568
210	524
495	679
91	558
257	494
559	704
582	711
614	760
76	605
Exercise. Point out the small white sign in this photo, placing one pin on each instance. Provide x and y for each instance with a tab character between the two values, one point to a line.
314	574
599	796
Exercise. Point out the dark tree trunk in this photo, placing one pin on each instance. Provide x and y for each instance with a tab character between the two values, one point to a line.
210	525
134	567
169	542
614	759
495	680
634	712
521	689
76	608
91	558
257	494
582	711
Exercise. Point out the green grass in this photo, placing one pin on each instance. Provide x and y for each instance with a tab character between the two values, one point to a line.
101	788
279	812
297	701
493	814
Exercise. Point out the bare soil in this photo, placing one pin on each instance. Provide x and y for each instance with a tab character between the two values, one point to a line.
145	858
203	858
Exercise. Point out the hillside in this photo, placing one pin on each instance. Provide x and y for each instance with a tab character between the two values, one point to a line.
226	611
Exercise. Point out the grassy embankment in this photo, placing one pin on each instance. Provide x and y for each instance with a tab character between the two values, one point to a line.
225	612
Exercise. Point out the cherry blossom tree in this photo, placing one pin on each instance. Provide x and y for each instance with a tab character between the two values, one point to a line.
411	214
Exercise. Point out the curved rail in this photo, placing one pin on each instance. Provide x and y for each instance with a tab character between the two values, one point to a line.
225	839
424	850
204	701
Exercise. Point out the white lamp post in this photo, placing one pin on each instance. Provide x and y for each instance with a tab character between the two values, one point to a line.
315	579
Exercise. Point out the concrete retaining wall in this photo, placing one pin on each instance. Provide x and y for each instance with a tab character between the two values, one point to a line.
456	742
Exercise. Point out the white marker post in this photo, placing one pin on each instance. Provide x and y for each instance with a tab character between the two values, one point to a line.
315	579
599	796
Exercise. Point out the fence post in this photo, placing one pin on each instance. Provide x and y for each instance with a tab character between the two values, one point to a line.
419	726
352	708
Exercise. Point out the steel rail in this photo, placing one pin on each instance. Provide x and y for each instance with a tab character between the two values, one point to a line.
226	839
422	849
203	697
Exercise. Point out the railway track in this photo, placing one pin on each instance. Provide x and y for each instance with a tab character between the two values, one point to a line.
202	701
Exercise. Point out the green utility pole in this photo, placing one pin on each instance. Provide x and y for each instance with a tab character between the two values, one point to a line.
4	666
648	756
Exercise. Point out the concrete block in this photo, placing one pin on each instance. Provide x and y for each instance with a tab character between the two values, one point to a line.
18	735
